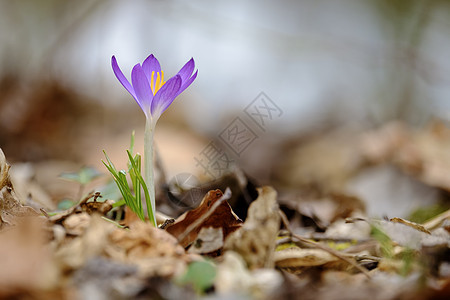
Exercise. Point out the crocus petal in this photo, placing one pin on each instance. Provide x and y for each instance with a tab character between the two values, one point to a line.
187	83
165	96
151	64
142	88
123	80
186	70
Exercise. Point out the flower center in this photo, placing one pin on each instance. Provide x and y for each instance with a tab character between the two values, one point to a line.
156	84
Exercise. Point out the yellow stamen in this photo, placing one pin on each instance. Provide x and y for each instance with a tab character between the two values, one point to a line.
151	82
155	85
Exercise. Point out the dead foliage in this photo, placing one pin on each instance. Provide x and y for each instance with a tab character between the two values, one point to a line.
10	206
214	211
309	237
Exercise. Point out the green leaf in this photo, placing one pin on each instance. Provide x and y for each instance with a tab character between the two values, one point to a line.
385	241
408	257
136	166
201	274
65	204
120	177
119	203
133	201
84	176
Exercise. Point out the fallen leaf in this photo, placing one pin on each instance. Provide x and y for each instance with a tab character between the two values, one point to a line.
10	206
295	257
77	224
255	241
233	278
112	280
130	217
153	250
74	253
102	207
25	259
84	206
184	192
322	210
208	240
144	240
222	217
28	190
380	145
325	161
422	153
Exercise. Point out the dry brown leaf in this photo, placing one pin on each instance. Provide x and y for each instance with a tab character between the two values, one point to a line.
208	240
326	161
10	206
256	240
323	209
92	242
25	258
27	188
97	207
153	250
130	217
144	240
423	153
84	206
233	278
296	257
381	145
222	217
77	224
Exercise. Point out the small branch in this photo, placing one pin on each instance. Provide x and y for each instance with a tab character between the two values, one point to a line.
199	221
322	247
44	213
115	223
437	220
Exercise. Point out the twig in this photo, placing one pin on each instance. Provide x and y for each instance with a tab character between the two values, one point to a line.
322	237
437	220
115	223
190	228
322	247
44	213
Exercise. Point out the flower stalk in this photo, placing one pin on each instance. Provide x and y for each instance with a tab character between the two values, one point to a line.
148	164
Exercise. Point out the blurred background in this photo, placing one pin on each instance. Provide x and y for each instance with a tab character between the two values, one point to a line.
334	69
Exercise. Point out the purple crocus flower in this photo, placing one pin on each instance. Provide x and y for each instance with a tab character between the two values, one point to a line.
148	88
154	96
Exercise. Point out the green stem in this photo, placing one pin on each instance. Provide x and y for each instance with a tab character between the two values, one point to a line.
148	162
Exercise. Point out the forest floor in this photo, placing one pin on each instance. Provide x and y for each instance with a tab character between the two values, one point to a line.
300	235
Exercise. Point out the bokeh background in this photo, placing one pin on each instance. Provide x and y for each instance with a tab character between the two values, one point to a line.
326	64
